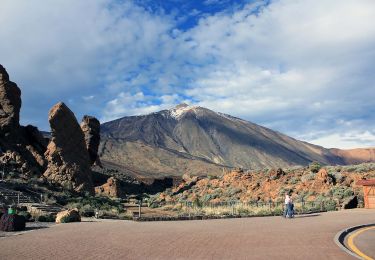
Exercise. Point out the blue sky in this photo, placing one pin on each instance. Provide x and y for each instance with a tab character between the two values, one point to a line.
304	68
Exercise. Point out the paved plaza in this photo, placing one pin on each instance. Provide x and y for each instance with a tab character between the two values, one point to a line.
305	237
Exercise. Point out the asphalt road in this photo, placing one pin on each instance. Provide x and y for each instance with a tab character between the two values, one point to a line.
309	237
365	241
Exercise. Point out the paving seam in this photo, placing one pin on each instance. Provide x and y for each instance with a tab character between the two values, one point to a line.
339	238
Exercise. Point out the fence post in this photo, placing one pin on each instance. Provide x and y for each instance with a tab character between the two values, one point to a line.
18	198
139	208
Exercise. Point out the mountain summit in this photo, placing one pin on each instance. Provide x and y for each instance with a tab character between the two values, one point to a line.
196	140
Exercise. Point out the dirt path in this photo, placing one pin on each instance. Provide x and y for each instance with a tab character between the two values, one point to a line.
252	238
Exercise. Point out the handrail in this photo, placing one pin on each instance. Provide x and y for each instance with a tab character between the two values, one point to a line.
40	194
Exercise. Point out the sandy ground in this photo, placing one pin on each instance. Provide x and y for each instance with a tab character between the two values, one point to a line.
309	237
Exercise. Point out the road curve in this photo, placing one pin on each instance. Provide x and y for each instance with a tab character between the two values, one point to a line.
362	242
309	237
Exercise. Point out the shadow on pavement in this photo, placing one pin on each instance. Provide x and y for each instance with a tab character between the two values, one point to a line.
35	228
308	216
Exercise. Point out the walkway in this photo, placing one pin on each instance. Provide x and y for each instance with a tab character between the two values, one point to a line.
309	237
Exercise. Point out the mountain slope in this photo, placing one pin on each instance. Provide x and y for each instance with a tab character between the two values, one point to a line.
203	141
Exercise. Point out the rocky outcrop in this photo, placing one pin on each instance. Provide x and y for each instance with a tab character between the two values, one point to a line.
67	156
10	104
110	189
91	129
322	181
276	174
66	216
21	148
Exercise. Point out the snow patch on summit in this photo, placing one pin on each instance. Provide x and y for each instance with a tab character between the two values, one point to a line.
178	111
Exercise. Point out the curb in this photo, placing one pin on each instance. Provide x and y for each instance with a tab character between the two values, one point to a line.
339	238
203	217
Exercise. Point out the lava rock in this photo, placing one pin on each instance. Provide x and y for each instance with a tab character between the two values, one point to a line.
67	156
91	129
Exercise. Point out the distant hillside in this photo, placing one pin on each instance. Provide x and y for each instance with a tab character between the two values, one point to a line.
196	140
355	156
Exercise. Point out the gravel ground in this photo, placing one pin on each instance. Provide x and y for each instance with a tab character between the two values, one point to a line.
305	237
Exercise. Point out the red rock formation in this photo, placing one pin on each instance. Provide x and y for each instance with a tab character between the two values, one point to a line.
67	156
10	104
21	148
110	189
91	129
322	181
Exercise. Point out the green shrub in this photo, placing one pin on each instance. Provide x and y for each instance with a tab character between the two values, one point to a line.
233	191
337	177
341	192
320	198
315	167
294	180
212	177
25	214
277	211
152	202
87	211
100	203
263	212
46	218
330	205
208	197
360	168
308	177
245	211
282	192
197	203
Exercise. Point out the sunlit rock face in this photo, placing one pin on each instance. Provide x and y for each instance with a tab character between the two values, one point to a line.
67	155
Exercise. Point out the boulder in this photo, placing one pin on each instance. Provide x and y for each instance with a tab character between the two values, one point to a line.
10	104
67	156
12	222
110	189
276	174
322	181
66	216
350	203
91	129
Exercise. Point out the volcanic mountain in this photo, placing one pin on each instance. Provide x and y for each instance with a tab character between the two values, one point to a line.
198	141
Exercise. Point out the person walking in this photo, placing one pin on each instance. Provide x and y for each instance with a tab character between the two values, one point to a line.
290	207
286	204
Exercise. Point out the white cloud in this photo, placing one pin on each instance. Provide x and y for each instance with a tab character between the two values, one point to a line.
348	140
137	104
304	68
68	48
88	98
296	66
